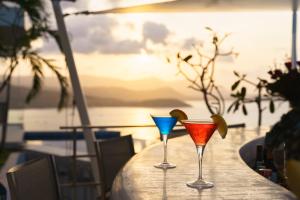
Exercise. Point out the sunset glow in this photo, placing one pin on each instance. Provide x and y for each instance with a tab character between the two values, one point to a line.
138	44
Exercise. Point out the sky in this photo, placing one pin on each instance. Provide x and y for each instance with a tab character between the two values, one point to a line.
135	46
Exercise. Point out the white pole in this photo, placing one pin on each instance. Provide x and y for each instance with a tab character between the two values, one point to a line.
294	34
78	94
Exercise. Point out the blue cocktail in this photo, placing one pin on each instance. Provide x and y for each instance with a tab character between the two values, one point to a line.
165	125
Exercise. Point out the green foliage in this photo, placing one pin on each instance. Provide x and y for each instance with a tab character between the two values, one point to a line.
22	50
235	85
285	84
186	59
239	93
286	131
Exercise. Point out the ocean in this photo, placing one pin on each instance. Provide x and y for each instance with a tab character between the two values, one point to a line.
51	119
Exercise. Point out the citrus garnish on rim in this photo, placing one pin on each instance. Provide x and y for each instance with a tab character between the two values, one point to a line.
179	115
221	123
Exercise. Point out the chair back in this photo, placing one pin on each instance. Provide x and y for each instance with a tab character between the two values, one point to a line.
112	155
34	180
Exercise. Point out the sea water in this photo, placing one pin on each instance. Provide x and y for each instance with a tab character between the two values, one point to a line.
52	119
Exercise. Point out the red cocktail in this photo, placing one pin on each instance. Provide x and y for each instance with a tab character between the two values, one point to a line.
200	132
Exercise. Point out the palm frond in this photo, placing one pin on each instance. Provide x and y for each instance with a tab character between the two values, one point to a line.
38	16
37	62
36	87
63	83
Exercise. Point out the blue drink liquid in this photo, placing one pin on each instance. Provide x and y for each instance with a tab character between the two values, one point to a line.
164	123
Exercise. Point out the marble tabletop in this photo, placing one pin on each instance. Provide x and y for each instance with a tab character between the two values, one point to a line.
222	165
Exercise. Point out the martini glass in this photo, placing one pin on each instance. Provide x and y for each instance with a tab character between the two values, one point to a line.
200	131
165	125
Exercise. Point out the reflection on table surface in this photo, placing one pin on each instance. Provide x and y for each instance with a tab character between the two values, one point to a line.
222	165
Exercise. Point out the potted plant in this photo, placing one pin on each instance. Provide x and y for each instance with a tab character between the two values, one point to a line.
285	134
286	83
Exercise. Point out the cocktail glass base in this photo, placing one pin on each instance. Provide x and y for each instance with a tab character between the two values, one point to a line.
165	165
200	184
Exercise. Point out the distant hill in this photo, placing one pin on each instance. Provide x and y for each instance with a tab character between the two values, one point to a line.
92	101
104	91
98	82
48	98
133	95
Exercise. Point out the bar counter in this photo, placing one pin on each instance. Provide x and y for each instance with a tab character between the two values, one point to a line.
222	165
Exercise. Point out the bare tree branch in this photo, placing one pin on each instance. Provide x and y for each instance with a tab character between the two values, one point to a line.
203	72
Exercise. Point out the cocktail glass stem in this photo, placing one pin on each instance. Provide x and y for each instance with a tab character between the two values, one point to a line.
200	183
200	150
165	140
165	164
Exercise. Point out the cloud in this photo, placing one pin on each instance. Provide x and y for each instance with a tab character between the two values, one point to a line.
90	34
157	33
123	47
190	42
77	5
226	59
49	46
95	34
